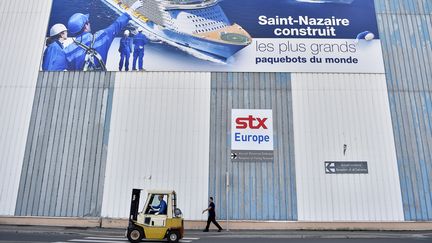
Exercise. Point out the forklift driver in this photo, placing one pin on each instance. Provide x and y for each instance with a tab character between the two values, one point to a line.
161	208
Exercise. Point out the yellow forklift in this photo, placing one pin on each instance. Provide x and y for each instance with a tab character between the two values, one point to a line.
151	223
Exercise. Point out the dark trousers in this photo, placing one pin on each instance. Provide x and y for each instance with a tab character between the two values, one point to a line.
138	55
212	219
124	58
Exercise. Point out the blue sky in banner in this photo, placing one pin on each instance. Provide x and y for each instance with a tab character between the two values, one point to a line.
360	13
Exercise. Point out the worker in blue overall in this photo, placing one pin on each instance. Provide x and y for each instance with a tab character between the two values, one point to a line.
139	41
161	208
89	51
125	49
54	58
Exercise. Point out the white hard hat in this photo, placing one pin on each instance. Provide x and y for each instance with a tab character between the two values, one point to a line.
369	36
126	32
140	29
57	29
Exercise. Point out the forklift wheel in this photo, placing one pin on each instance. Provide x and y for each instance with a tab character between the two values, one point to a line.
173	236
135	235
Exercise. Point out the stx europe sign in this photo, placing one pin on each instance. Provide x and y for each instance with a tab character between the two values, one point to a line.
251	130
244	122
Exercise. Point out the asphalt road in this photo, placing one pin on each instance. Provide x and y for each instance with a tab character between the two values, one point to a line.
18	234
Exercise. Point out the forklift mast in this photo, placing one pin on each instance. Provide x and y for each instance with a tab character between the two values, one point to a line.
134	205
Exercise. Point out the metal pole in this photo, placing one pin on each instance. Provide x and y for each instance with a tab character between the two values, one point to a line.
227	199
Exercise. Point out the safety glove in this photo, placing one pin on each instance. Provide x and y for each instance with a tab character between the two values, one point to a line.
136	5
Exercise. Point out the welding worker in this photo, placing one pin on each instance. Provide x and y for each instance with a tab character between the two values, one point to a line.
125	50
138	54
89	51
54	57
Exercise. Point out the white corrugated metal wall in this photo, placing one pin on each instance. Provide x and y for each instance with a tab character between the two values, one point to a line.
23	26
159	139
318	98
331	110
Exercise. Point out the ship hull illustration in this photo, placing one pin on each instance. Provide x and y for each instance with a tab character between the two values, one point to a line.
198	24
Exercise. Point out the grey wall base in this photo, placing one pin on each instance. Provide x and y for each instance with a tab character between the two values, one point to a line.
74	222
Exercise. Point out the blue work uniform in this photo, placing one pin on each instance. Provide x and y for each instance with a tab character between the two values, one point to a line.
139	41
162	207
125	50
54	58
101	43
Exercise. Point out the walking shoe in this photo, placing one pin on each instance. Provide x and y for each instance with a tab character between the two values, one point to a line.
206	230
220	230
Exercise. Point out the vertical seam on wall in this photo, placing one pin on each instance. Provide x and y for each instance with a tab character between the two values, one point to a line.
105	140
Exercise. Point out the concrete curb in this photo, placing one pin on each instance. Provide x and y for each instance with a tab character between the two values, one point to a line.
234	225
51	221
232	234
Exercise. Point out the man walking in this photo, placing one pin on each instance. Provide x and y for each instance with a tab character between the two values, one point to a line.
211	216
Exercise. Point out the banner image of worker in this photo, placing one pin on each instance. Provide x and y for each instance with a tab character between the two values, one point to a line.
213	35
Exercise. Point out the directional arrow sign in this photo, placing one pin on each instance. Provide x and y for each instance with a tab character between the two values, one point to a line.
330	167
346	167
252	156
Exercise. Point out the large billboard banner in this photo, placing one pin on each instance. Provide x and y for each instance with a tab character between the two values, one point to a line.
213	35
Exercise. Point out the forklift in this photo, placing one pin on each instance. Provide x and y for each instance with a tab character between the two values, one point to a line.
150	224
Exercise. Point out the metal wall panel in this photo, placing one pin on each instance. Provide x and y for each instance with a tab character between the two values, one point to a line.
331	110
65	154
406	32
411	7
23	26
258	191
21	53
159	139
